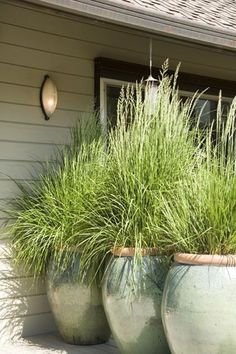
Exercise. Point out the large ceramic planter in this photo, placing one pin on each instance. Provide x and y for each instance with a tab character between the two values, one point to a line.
132	297
199	305
77	308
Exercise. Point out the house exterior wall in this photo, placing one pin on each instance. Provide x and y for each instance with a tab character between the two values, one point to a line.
34	42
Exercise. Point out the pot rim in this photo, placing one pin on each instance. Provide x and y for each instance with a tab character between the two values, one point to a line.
132	251
205	259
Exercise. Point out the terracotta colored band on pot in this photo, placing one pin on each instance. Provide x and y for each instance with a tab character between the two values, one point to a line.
205	259
131	251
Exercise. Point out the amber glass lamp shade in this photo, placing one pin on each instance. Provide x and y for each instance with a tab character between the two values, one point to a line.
48	97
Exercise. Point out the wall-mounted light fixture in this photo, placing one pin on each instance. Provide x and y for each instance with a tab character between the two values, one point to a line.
151	85
48	97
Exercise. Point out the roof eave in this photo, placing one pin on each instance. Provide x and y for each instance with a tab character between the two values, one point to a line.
144	20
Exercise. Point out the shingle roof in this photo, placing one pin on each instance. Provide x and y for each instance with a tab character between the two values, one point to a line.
219	14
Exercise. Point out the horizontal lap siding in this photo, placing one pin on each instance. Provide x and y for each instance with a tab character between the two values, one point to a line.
35	42
22	94
21	170
12	112
24	308
13	150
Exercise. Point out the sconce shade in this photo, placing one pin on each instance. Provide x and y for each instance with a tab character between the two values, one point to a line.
48	97
151	93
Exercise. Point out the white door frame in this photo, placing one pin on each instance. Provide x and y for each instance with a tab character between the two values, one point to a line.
104	82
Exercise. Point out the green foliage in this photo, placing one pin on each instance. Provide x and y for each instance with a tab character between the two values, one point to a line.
150	152
52	212
200	217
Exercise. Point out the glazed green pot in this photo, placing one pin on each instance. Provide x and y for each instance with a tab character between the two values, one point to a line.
132	300
77	308
199	305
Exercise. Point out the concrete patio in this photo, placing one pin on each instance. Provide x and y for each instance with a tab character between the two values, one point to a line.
52	344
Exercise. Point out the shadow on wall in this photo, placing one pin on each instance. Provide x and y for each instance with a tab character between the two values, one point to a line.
24	308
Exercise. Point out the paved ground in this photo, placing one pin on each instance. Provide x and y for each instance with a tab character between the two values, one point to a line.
52	344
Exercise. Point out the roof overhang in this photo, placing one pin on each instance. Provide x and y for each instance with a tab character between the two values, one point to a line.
144	20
